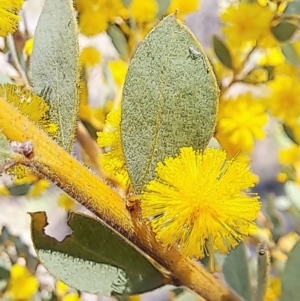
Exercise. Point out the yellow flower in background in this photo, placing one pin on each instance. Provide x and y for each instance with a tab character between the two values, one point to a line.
90	56
290	155
118	68
9	16
71	297
197	201
241	121
94	116
4	191
281	177
113	161
184	7
114	9
221	71
94	16
61	288
276	5
38	188
272	57
232	150
92	22
296	46
257	75
294	125
28	47
273	292
66	202
22	284
284	98
31	105
143	11
246	22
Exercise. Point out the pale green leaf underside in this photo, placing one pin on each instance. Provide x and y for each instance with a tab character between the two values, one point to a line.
94	258
54	66
170	99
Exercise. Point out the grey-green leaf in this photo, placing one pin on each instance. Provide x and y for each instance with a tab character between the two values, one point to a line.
293	7
284	31
236	272
94	258
222	52
290	53
290	281
119	40
6	153
126	2
54	66
162	7
170	99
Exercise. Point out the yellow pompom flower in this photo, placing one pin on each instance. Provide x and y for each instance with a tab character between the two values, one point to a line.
114	9
246	22
9	16
241	121
66	202
90	56
143	11
113	161
197	202
92	22
290	156
22	285
38	188
184	7
31	105
284	101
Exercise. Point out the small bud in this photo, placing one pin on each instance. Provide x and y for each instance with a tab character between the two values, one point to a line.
24	148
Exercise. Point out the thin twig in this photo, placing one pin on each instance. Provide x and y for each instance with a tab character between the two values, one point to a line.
12	48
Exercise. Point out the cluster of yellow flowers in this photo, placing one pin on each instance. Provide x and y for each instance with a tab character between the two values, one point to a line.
180	209
199	199
23	286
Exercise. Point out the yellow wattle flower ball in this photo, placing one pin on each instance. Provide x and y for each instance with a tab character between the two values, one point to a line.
22	284
283	100
143	11
9	16
241	121
197	201
184	7
246	22
92	22
90	56
66	202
